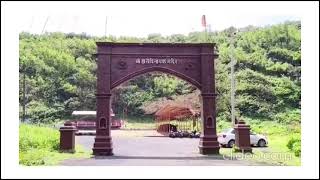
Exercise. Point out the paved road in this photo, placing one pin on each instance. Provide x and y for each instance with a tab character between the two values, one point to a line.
149	151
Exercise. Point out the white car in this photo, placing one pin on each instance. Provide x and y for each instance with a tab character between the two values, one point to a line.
227	138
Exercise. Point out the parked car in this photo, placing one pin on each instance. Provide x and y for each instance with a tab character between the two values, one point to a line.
227	138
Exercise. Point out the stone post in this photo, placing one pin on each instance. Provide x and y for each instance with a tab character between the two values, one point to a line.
67	137
242	135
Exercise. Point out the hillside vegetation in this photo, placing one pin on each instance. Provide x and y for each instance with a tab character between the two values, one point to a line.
59	71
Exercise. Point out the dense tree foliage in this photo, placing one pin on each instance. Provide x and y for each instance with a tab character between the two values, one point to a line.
59	71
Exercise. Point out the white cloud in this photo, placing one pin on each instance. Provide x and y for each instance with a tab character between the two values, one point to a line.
142	18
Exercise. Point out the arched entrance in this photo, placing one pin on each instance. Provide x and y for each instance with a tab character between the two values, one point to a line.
119	62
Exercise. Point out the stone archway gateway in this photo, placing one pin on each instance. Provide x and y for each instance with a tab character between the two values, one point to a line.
119	62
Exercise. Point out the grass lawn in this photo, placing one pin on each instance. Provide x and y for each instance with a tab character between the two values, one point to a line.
39	145
278	135
277	153
36	157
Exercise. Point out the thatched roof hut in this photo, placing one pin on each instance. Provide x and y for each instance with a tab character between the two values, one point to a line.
174	112
168	116
192	100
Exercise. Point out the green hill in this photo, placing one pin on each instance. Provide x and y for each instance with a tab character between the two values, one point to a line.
60	74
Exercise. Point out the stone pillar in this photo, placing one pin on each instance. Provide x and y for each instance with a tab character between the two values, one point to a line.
67	137
208	139
103	141
242	135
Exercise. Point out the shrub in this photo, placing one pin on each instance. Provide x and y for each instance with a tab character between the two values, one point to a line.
296	148
267	127
35	137
222	125
290	116
40	112
36	144
294	144
33	157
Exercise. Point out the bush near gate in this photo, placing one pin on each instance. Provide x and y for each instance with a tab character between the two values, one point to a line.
39	145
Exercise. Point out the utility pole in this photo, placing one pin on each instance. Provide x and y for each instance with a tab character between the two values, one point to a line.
232	63
24	95
105	28
205	35
24	102
45	24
